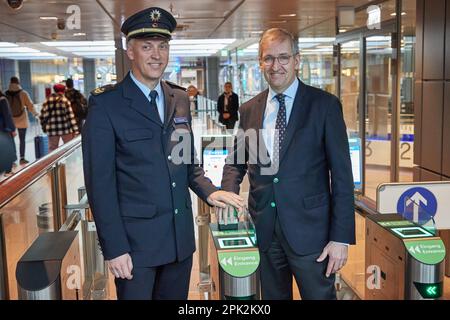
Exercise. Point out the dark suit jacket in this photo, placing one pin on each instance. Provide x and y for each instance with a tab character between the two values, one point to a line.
233	106
138	195
312	192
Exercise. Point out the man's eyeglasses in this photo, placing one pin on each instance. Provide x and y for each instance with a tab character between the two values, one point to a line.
282	59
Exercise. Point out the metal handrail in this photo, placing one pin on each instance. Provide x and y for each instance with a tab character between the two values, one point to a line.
17	183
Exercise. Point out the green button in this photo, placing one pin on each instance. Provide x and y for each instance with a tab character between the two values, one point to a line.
176	211
272	204
275	180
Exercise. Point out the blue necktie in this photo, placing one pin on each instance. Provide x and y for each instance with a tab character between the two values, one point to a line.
153	96
280	126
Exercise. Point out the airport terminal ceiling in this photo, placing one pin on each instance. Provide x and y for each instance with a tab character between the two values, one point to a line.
197	19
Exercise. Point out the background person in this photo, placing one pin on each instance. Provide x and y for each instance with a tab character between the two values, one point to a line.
77	102
193	97
228	106
19	102
57	118
7	133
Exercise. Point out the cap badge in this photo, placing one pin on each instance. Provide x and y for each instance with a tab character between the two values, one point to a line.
155	15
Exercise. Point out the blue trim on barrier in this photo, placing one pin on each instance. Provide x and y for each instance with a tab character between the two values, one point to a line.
403	137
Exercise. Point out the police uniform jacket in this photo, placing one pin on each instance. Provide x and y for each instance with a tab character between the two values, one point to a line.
137	190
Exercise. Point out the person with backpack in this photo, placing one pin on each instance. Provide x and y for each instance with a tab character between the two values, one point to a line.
57	118
19	102
7	134
77	101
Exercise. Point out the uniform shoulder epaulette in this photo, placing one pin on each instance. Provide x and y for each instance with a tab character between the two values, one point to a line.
175	86
103	89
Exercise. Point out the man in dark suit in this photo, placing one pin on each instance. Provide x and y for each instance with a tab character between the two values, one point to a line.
228	106
136	183
301	197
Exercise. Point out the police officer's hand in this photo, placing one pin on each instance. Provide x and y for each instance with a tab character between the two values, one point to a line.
223	198
227	215
121	266
337	253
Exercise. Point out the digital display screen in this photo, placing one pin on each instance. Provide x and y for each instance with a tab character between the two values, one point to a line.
213	163
236	242
355	156
412	232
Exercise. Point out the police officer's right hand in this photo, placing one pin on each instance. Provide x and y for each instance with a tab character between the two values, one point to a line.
121	266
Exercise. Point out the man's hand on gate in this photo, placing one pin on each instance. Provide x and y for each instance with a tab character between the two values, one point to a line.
223	198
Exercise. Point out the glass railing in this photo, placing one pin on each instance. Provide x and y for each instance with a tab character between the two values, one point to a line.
34	201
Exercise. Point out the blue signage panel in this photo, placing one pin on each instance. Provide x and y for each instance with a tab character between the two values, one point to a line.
417	204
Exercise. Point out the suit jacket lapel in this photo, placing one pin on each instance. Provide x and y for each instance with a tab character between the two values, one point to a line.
169	107
259	110
139	101
297	116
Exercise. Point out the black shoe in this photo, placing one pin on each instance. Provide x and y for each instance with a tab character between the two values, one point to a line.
24	161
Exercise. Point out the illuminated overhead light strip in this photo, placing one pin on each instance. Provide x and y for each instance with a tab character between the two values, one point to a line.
288	15
193	51
190	54
78	43
197	47
30	54
48	18
18	50
27	55
253	46
309	40
37	58
321	50
202	41
379	38
94	53
8	45
86	49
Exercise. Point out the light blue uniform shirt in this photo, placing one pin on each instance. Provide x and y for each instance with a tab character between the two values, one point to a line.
146	91
270	115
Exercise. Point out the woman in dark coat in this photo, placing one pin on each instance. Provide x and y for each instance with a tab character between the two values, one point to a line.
7	133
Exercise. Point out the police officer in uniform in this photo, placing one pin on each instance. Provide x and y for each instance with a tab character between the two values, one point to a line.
137	187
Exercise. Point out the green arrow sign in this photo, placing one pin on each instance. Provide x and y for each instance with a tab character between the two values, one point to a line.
429	290
432	290
426	251
239	263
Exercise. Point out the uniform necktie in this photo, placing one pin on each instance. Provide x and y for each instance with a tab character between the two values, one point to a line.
280	126
153	96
